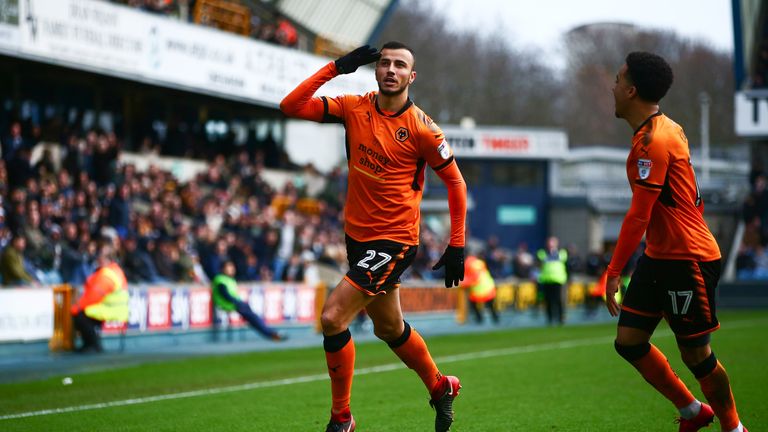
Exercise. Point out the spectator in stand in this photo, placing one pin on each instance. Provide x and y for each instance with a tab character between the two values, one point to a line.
252	269
287	245
523	262
761	263
166	258
596	263
72	260
294	270
265	246
745	262
498	259
120	210
12	263
186	262
215	258
575	263
138	265
38	247
73	160
19	169
14	142
45	168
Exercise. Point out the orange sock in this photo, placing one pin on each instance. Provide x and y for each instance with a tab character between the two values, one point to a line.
717	388
340	357
412	350
655	368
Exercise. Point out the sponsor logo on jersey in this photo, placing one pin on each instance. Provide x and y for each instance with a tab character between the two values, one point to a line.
444	150
644	168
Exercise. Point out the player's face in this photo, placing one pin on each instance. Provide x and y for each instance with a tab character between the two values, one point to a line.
394	71
622	90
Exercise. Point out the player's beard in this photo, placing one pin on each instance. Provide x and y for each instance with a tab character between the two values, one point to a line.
397	92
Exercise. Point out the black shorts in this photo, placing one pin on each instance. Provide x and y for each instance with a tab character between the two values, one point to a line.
683	292
375	266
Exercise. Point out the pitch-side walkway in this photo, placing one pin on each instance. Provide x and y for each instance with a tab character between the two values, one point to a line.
33	362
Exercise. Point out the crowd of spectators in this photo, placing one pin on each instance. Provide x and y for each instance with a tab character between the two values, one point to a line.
167	231
752	259
55	210
267	24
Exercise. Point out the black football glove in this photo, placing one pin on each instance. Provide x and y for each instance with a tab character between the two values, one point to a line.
453	260
349	62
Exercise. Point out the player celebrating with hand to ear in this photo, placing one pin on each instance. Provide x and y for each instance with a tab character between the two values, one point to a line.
677	275
389	143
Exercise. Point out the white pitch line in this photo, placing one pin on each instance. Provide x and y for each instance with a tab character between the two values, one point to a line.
363	371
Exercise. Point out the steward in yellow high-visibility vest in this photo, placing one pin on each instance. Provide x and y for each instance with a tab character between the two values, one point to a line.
552	277
481	287
105	298
226	297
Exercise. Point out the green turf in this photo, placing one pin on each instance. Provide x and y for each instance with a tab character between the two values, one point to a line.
535	385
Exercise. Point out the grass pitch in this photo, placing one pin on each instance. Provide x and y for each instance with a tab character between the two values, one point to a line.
543	379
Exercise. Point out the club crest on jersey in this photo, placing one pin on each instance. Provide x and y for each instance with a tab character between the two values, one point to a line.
444	150
644	168
401	134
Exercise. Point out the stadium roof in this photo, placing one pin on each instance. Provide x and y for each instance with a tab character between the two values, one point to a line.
346	22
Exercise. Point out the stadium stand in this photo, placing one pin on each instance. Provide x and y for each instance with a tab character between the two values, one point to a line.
167	230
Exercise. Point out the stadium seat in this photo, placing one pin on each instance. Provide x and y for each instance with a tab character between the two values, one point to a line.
505	295
526	295
576	293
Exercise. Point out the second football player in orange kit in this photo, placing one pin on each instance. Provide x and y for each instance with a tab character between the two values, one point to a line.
389	143
677	276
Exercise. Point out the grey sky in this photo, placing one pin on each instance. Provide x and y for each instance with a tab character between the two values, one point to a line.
540	23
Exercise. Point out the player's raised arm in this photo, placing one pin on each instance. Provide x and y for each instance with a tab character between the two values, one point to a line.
453	258
300	104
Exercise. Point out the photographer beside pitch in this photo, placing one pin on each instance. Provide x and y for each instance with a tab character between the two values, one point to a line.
677	276
389	142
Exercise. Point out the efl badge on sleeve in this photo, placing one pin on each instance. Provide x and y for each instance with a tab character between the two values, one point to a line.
644	168
444	150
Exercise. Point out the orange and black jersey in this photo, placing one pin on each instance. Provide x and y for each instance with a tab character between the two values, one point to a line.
387	154
660	159
666	202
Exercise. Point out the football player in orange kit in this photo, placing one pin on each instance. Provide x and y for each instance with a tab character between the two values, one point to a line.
389	143
677	276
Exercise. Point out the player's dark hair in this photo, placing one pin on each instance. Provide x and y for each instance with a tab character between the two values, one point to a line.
650	74
399	45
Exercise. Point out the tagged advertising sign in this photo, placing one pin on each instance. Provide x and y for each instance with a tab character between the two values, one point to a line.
181	307
26	314
125	42
751	112
506	142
